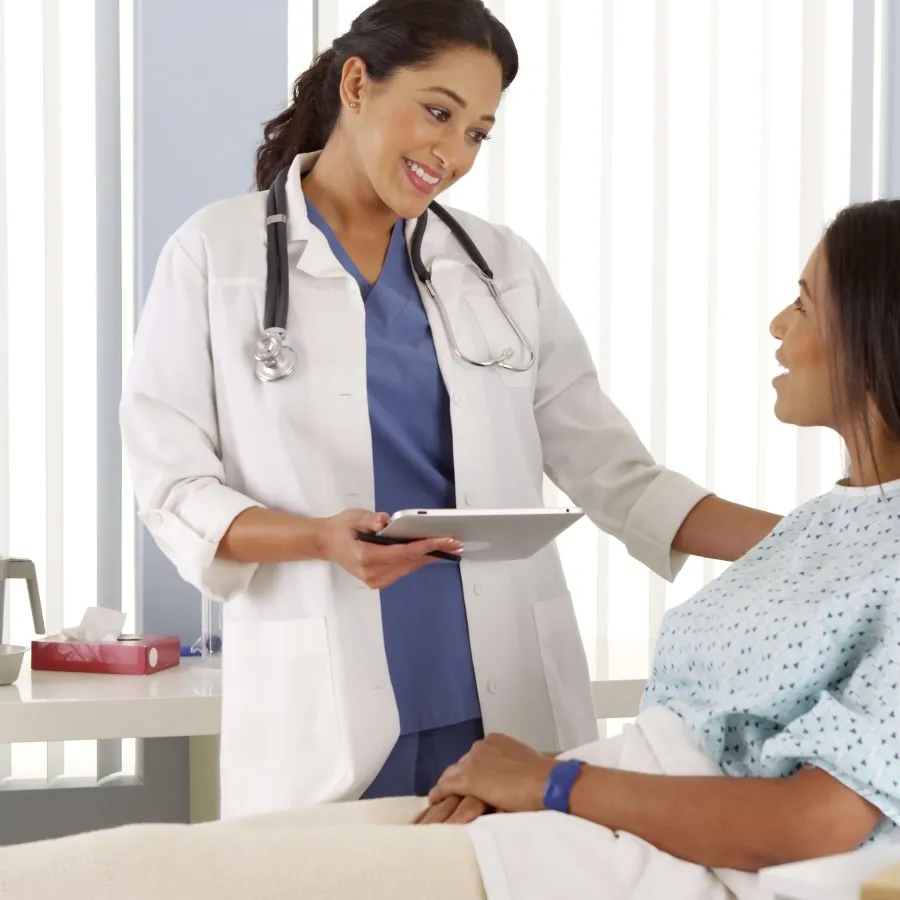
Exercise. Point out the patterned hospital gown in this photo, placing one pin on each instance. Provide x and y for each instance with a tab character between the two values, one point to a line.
792	655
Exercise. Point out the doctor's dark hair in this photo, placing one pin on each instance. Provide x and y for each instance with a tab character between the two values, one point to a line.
862	256
389	35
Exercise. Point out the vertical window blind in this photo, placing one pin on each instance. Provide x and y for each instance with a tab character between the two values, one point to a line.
65	329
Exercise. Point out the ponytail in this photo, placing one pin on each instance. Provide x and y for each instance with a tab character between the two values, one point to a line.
304	126
389	35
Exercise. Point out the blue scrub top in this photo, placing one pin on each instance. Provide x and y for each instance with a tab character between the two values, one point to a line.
426	633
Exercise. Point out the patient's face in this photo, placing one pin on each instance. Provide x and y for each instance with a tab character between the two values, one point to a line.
803	389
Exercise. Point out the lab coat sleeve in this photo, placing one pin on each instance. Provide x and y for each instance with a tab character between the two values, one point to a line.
170	429
592	453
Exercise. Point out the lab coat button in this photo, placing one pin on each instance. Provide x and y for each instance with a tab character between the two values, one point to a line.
492	686
457	398
154	519
479	588
470	499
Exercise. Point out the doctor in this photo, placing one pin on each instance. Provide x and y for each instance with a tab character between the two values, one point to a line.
352	669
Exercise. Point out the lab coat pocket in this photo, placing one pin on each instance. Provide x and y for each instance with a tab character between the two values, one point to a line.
496	332
281	731
565	671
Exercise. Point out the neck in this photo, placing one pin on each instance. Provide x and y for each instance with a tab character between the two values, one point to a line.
878	465
342	193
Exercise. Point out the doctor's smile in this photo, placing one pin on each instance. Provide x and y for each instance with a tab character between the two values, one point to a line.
422	178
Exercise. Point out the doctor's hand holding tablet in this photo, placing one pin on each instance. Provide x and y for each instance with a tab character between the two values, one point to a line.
338	344
349	542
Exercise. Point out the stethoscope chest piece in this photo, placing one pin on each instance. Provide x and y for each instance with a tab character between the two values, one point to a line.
274	359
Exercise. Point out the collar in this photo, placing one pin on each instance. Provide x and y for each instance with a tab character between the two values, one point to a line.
316	257
298	225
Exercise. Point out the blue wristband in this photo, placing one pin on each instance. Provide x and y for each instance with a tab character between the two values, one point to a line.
559	784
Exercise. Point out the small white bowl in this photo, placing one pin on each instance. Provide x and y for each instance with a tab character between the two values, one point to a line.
10	662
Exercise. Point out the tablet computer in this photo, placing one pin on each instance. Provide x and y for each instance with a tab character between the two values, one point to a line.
488	535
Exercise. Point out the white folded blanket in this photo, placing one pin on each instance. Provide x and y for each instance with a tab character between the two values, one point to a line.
549	856
340	852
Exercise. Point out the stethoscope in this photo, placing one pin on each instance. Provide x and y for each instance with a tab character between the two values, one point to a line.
275	359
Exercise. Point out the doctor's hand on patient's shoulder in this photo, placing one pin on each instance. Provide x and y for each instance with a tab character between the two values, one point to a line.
375	565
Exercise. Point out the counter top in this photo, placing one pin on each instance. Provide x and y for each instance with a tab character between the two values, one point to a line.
184	701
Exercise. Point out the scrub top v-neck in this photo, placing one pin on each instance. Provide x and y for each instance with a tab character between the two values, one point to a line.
424	619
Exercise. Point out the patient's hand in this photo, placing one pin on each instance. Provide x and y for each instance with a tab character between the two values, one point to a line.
500	772
452	810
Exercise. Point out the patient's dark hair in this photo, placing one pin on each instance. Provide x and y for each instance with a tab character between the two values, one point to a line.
389	35
862	253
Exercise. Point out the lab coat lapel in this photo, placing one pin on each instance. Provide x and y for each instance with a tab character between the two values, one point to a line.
305	242
327	324
470	412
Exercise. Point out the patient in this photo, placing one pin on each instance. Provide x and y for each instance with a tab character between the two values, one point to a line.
783	675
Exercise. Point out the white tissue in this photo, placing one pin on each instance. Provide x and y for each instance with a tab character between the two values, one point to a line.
97	625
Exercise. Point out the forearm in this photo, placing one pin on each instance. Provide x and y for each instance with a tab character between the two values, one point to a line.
718	529
737	823
260	535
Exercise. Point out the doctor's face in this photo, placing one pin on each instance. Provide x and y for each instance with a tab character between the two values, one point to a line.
803	389
420	131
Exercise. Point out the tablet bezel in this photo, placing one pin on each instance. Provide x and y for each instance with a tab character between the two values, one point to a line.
524	532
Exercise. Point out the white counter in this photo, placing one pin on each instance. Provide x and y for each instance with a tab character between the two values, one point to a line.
184	701
180	702
70	706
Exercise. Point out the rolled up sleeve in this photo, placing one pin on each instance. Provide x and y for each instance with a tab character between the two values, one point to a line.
656	516
591	451
170	430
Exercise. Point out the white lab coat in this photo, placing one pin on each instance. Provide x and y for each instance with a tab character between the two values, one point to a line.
309	714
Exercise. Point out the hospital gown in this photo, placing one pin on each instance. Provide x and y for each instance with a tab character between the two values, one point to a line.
792	656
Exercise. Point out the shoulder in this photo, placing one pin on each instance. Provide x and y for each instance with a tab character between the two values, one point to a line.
506	252
846	512
802	516
854	538
222	218
220	233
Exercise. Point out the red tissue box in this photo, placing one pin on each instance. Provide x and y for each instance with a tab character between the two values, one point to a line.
130	655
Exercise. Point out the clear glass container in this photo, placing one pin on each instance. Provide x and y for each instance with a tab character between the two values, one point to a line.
209	644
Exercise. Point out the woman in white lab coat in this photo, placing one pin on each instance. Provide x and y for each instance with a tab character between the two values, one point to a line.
351	669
